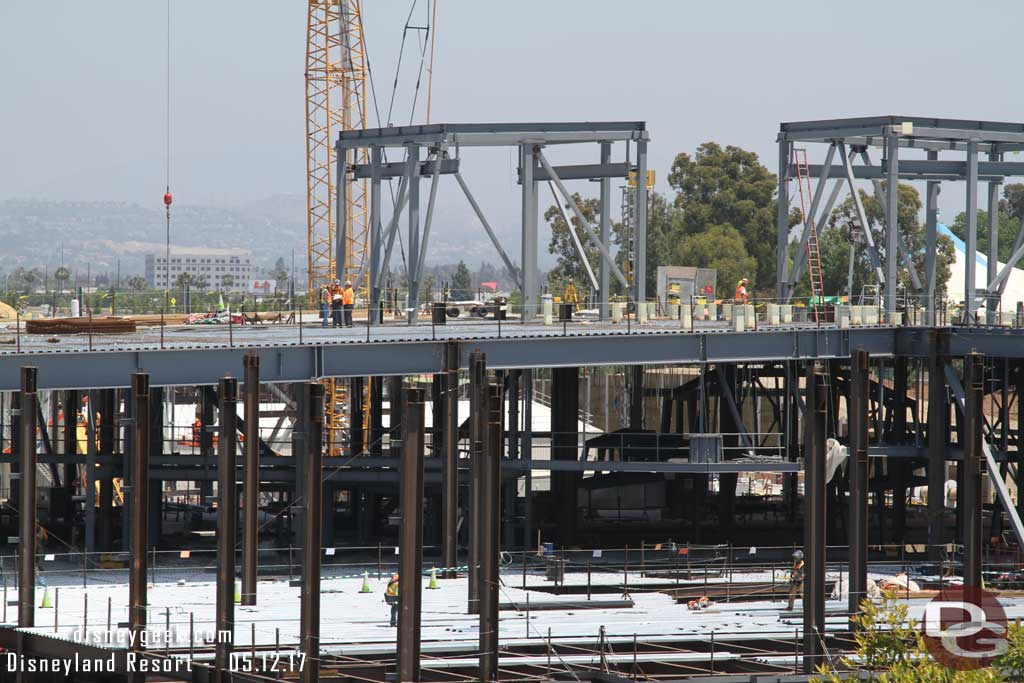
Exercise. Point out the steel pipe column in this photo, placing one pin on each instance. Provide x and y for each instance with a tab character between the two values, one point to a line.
527	164
892	228
410	556
565	404
938	414
858	414
309	616
138	497
28	401
974	420
448	431
227	526
251	499
490	523
814	514
477	444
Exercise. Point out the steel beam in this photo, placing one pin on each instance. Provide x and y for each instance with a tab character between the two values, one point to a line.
477	444
938	415
892	225
859	484
971	500
513	272
782	224
449	433
606	170
251	499
814	522
309	610
530	274
869	240
605	209
428	221
932	190
565	404
375	238
28	400
490	519
356	436
901	247
410	555
971	243
413	256
227	522
400	169
993	244
571	230
138	499
640	230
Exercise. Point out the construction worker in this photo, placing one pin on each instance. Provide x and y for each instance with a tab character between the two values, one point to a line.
337	294
796	577
325	305
41	538
742	295
348	300
391	597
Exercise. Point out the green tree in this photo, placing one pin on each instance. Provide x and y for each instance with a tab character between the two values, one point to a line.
1011	214
462	284
569	268
844	219
280	274
137	284
184	280
24	281
1013	195
726	187
228	281
720	247
61	275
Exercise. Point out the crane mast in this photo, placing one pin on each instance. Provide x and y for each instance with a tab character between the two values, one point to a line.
335	101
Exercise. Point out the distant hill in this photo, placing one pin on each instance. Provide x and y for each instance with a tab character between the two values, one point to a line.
97	234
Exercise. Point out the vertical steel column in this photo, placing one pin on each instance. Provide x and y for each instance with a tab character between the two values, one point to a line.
640	231
414	266
604	269
899	468
565	404
477	444
892	227
300	443
938	414
814	522
530	275
355	422
974	420
991	312
376	446
489	544
139	498
449	431
782	224
28	400
227	518
206	443
636	398
511	486
155	518
858	412
309	617
1018	390
395	415
107	417
375	235
410	556
526	437
251	499
932	189
89	478
341	154
971	243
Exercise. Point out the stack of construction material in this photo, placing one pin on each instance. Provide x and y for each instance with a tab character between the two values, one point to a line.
105	325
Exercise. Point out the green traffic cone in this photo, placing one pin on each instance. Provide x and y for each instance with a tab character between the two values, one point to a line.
366	583
433	579
46	598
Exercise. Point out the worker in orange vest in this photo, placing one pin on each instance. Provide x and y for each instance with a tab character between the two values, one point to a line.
348	300
391	597
337	294
742	295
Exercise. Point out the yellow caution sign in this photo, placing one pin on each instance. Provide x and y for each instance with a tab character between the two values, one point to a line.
650	179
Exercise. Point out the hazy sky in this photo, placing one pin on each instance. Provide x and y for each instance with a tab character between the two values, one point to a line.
83	83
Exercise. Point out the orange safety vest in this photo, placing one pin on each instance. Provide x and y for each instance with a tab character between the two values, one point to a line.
336	293
392	589
741	293
348	296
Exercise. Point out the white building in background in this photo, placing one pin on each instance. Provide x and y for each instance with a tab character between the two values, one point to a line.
214	265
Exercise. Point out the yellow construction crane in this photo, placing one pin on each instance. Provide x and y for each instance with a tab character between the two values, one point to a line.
335	101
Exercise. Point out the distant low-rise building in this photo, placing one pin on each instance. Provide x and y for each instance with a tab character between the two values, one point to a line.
225	269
